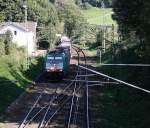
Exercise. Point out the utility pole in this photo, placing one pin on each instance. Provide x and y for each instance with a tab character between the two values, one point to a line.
103	27
26	15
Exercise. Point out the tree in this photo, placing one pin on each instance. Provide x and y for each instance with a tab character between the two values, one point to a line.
7	42
72	18
41	11
11	10
45	14
134	16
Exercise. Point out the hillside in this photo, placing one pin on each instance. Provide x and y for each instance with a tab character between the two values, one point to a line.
99	16
13	80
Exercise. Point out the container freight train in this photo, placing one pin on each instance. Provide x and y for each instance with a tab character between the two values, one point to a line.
57	61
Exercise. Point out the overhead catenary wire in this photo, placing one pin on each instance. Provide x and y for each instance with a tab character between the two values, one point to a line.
120	81
74	92
130	65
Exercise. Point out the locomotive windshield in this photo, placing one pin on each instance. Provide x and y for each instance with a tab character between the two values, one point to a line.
56	59
54	62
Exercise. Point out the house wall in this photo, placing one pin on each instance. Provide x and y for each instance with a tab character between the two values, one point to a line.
21	38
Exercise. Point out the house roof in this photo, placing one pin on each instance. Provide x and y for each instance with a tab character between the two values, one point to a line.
29	26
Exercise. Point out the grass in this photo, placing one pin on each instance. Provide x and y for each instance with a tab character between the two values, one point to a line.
126	109
13	81
99	16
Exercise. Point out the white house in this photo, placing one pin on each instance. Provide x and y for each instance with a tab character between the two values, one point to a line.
24	34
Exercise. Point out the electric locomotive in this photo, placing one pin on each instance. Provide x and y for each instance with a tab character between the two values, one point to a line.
57	64
57	61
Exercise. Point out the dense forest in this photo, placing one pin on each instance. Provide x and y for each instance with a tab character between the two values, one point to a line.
133	17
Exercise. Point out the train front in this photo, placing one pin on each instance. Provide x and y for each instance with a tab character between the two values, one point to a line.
54	66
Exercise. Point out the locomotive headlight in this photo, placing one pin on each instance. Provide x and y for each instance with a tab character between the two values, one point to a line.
52	68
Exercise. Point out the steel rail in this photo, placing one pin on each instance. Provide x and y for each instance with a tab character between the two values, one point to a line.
53	99
72	103
87	91
120	81
47	123
49	107
24	121
87	104
65	100
28	122
78	67
58	109
76	111
74	90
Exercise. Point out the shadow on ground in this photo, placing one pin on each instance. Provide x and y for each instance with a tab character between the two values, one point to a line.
9	91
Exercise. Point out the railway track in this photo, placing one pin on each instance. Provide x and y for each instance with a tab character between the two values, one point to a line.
47	104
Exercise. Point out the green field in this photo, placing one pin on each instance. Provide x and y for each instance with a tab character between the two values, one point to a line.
99	16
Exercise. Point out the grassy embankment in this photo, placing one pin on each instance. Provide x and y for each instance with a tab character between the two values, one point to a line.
128	109
13	80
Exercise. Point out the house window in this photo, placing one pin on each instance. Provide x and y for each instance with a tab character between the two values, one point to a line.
15	32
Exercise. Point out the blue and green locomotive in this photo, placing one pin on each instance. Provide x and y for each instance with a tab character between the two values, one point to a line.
57	63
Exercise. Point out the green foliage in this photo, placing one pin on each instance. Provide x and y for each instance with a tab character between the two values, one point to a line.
8	42
11	10
2	47
13	79
46	15
133	15
41	11
73	19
